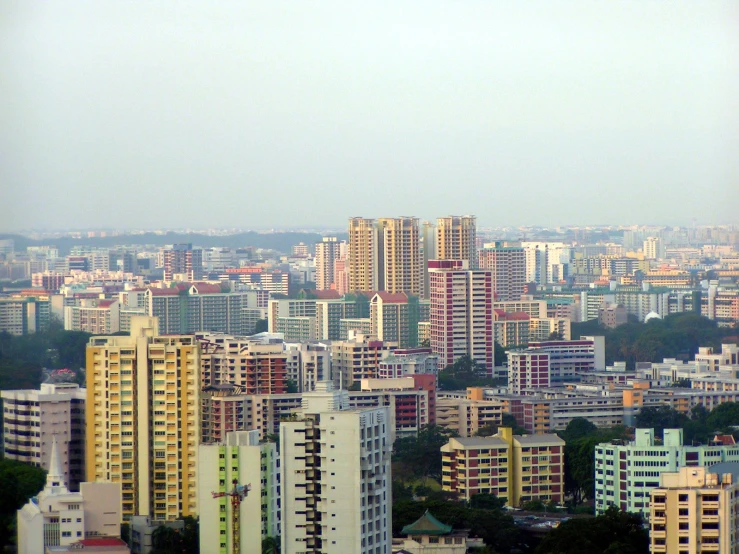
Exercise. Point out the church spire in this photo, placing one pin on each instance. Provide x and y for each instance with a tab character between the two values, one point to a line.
55	483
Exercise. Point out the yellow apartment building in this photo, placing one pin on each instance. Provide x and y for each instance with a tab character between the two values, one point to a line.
142	418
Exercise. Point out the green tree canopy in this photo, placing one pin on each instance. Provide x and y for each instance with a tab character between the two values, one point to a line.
18	483
614	532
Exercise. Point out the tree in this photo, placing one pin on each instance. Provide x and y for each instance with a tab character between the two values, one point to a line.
18	483
291	386
534	506
260	327
614	532
578	428
660	418
509	420
486	501
270	545
420	456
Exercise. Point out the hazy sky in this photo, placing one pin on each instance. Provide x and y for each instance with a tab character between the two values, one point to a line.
273	114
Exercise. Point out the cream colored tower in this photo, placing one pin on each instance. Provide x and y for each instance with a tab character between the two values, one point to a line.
456	237
142	418
401	255
362	264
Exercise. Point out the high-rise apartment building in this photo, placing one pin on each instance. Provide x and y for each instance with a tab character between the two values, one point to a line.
240	460
508	266
456	239
182	259
95	316
694	511
142	418
400	256
34	419
515	468
653	249
428	252
626	473
336	478
327	252
362	257
461	312
527	369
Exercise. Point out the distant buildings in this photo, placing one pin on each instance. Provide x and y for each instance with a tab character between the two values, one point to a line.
34	419
182	260
508	267
515	468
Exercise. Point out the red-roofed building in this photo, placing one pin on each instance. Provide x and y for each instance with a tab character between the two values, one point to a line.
93	315
511	328
392	318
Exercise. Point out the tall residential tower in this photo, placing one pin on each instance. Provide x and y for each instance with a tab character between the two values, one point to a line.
142	418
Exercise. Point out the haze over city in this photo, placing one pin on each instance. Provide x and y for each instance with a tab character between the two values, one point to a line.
274	115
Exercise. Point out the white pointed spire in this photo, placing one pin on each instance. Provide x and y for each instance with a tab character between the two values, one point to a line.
55	483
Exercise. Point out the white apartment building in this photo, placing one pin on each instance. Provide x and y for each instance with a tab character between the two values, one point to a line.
241	460
307	364
336	477
33	419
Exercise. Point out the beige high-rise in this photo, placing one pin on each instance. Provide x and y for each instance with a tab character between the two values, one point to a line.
362	265
401	255
327	251
142	418
455	239
694	510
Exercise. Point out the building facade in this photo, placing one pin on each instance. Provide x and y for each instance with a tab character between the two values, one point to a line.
34	419
461	313
241	460
142	418
336	478
626	473
515	468
456	239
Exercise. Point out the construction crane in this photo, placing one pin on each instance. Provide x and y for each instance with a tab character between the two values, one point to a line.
237	494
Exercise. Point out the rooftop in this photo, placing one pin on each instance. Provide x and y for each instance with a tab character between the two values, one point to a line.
427	524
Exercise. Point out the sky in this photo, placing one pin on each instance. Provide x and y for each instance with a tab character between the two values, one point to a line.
269	114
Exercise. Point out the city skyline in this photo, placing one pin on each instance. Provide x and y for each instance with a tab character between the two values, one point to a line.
541	113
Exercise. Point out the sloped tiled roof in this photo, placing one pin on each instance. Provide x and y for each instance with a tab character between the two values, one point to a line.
427	524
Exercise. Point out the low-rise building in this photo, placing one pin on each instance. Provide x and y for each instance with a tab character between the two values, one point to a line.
60	518
427	535
515	468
